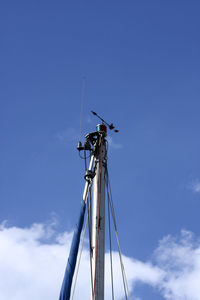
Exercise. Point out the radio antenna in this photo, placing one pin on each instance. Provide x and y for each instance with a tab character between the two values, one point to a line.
82	104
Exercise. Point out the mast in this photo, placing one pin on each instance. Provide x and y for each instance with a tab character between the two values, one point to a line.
95	143
98	217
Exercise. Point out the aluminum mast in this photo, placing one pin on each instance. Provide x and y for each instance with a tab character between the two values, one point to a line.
98	216
95	143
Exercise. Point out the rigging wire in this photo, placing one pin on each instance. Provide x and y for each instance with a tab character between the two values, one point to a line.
110	241
126	290
88	223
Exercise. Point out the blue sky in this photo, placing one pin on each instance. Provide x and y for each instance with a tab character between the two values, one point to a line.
142	67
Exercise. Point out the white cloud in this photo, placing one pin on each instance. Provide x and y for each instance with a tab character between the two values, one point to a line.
89	119
67	135
195	186
112	144
179	258
29	267
33	260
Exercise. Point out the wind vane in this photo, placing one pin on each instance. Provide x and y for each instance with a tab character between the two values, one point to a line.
111	126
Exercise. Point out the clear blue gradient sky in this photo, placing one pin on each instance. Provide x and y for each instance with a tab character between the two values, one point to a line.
142	66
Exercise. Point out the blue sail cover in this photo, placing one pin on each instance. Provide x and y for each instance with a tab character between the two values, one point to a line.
71	264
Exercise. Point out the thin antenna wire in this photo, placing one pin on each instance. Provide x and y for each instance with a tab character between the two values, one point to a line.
82	104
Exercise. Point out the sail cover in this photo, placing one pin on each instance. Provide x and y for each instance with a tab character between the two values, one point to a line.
71	264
